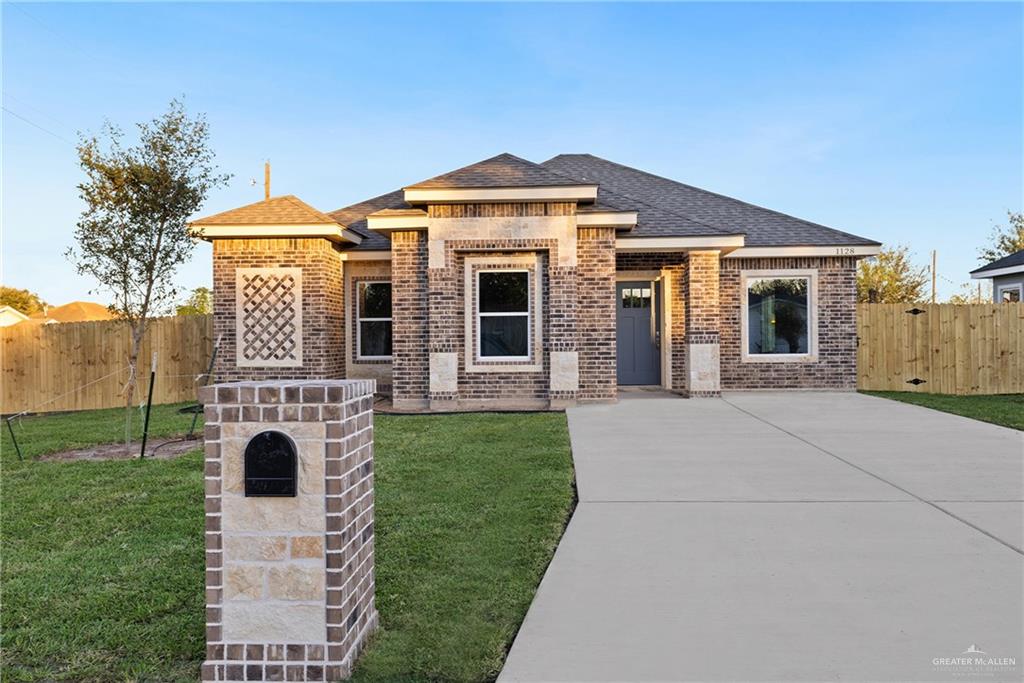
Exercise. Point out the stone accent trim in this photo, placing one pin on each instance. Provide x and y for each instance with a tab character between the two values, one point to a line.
304	563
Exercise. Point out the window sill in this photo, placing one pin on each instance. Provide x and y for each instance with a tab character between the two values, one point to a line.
779	358
503	366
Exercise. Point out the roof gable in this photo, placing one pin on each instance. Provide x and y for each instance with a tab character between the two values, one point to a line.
504	170
284	210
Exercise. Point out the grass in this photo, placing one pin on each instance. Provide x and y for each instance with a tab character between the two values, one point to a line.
50	433
1001	409
103	562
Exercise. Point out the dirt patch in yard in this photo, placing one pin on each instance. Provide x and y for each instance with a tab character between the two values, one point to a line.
161	449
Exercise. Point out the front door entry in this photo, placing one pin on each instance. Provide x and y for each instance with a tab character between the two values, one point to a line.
639	361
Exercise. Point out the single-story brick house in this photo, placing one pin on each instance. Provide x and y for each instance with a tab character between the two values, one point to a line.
509	283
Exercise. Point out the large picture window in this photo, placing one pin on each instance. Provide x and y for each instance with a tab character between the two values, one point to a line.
503	314
779	317
373	327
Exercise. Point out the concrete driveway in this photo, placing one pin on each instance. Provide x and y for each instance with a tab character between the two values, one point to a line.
783	536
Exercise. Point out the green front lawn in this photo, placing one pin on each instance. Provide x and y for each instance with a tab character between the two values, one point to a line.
103	561
1001	409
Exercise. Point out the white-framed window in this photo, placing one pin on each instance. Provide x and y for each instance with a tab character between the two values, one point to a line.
779	315
373	320
503	315
1009	293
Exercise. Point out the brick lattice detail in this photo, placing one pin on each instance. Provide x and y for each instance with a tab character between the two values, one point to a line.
323	319
334	556
269	310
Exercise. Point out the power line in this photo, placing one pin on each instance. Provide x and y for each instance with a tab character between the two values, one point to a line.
36	125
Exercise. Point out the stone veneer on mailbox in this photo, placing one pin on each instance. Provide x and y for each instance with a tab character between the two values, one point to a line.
289	580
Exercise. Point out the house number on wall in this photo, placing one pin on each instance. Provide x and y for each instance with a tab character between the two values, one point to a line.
844	251
270	465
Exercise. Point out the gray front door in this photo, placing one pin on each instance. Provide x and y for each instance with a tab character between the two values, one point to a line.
639	361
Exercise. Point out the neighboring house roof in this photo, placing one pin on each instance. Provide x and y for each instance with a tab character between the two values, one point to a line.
504	170
1014	263
763	227
74	312
284	210
11	316
665	208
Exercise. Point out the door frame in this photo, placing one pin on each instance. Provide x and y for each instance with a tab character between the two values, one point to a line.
661	283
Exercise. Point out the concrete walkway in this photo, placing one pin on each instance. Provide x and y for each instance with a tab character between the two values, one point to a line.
770	536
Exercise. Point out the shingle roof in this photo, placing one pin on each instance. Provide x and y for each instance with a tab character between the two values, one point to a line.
1014	259
665	208
763	227
653	221
284	210
504	170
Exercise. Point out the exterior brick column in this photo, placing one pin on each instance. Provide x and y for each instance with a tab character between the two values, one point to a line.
410	334
289	579
595	294
445	331
322	330
703	374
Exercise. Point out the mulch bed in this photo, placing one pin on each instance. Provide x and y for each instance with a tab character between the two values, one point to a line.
160	449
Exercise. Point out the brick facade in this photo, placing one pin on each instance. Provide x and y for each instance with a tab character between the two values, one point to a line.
289	580
595	301
410	367
836	364
323	321
434	327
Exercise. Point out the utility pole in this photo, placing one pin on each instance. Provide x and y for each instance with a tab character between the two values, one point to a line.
933	275
266	180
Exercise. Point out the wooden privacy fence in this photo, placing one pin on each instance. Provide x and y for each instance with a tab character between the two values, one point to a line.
941	348
79	366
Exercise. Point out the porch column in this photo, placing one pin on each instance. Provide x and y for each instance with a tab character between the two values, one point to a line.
443	325
410	364
595	296
702	324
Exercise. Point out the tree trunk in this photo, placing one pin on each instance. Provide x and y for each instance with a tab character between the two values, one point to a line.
138	331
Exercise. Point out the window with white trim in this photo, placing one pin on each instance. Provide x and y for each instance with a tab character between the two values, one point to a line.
1007	294
503	312
373	324
779	316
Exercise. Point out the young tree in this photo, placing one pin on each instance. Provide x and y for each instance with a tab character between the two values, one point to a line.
200	302
1004	240
22	300
133	232
890	278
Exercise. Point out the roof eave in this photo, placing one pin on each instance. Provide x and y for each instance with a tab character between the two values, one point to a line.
982	274
335	232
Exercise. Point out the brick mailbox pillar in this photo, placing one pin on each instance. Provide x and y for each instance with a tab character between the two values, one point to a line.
289	529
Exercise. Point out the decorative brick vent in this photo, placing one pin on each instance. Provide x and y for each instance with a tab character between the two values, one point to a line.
289	566
269	316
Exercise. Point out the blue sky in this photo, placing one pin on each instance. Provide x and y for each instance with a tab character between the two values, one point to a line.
900	122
